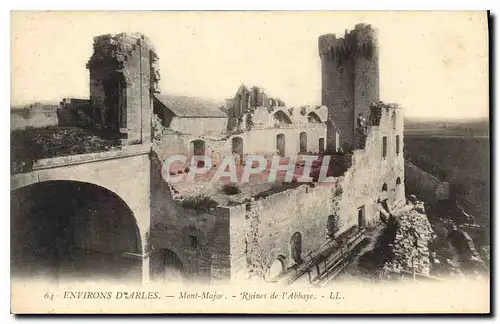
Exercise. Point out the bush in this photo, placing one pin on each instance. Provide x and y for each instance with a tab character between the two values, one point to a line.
231	189
200	203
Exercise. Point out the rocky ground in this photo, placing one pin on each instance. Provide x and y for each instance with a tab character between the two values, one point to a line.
412	243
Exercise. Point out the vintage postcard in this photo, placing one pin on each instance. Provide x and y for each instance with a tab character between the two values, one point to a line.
314	162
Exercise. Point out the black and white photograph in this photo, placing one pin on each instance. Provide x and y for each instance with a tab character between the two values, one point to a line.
250	162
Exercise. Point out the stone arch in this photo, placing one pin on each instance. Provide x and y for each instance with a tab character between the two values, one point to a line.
384	187
313	117
303	142
296	247
277	267
166	266
280	117
398	181
71	228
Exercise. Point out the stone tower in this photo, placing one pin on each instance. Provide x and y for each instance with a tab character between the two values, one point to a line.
123	80
350	81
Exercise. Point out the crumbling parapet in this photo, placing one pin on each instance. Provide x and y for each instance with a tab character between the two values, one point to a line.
410	248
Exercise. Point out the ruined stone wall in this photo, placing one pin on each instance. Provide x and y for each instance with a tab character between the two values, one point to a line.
261	141
424	184
171	228
363	182
199	126
262	230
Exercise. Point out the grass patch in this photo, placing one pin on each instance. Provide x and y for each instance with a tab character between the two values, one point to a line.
230	189
199	202
32	144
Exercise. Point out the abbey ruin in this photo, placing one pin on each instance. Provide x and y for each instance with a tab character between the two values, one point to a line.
134	221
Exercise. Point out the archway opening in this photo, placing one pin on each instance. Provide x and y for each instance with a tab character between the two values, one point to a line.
280	144
303	142
296	247
68	229
312	117
115	101
321	145
198	148
237	148
277	267
281	118
166	266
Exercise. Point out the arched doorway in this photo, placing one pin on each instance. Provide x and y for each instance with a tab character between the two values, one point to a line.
321	145
115	101
198	148
303	142
64	229
296	247
237	148
166	266
280	144
277	267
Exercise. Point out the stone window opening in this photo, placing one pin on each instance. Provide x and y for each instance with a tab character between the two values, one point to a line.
280	144
193	241
398	181
397	144
394	121
384	147
303	142
384	187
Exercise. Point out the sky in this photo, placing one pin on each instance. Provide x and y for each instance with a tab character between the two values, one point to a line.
434	64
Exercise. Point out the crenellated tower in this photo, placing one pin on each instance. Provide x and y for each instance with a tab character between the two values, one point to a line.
350	81
123	79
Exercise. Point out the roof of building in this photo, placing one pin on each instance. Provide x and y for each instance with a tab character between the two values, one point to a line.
183	106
